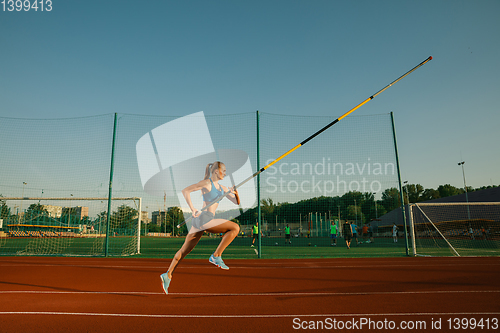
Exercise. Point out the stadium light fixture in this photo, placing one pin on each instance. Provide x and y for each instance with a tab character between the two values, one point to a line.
407	193
465	187
19	217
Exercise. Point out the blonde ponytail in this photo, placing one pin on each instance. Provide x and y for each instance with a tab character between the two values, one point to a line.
208	170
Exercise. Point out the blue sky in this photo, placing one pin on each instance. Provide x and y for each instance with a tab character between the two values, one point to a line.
317	58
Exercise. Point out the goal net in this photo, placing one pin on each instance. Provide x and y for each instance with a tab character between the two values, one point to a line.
459	229
69	226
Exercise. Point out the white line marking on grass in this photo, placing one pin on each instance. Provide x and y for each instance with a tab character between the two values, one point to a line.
54	313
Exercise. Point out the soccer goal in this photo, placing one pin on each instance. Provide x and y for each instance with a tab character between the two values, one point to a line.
70	226
459	229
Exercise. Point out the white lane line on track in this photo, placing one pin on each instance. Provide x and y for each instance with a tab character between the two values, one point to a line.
240	316
251	294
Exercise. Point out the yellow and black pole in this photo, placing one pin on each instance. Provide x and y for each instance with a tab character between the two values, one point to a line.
320	131
334	122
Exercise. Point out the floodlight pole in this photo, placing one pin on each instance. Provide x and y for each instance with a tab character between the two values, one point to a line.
465	188
22	200
375	200
407	193
356	211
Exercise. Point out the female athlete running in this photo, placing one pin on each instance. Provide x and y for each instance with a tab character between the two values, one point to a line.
205	220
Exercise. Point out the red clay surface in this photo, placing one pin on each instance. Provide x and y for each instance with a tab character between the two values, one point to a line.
45	294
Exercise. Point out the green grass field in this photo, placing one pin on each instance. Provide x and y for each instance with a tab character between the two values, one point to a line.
240	248
465	247
300	248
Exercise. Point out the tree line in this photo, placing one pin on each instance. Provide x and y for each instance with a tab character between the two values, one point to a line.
124	217
354	206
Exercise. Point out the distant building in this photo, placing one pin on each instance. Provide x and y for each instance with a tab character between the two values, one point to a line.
396	215
78	211
54	211
486	195
145	218
158	217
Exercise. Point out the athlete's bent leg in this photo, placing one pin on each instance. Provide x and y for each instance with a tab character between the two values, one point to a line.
230	230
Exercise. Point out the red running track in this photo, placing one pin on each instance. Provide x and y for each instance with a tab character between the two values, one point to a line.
46	294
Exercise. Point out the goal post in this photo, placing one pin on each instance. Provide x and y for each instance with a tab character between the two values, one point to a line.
70	226
458	229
